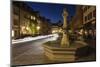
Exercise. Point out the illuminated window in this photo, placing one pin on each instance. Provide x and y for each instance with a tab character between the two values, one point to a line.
12	33
33	18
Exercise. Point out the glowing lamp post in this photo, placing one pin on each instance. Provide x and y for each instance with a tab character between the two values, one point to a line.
27	28
38	29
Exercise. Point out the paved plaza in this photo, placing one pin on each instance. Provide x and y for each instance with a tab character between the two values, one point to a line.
33	53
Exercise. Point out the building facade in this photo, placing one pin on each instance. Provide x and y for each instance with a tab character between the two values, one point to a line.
27	22
56	29
84	21
45	25
24	20
89	21
15	22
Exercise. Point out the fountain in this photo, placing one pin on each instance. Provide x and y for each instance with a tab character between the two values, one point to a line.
62	50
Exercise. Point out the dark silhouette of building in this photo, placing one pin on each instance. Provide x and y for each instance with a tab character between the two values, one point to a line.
77	20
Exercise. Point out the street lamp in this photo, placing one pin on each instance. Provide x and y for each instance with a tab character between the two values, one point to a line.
23	30
38	28
27	28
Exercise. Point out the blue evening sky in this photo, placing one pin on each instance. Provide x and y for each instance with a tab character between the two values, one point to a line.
53	11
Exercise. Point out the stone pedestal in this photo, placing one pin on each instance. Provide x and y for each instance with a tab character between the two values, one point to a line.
65	40
69	54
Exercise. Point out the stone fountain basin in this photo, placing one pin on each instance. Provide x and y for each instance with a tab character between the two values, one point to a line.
76	50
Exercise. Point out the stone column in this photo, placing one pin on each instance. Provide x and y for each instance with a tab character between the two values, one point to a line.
65	39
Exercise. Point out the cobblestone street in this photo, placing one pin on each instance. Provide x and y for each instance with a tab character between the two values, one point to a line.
33	53
29	53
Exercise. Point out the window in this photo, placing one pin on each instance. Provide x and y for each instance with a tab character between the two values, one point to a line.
85	18
15	22
88	7
27	16
33	18
85	9
94	13
16	10
89	16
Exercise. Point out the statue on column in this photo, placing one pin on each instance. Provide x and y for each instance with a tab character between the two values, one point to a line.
65	39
